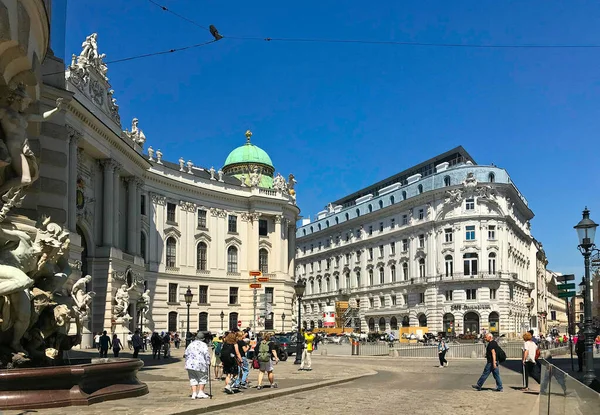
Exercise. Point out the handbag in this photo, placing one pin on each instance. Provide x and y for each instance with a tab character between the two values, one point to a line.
255	364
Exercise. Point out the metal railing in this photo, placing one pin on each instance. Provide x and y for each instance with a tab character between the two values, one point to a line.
561	394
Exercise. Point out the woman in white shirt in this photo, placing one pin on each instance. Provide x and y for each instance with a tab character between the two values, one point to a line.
529	351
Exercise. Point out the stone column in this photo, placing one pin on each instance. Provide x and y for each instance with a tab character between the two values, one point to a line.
74	137
278	252
108	167
138	217
116	205
131	215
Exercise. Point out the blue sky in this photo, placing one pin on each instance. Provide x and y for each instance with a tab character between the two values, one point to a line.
342	116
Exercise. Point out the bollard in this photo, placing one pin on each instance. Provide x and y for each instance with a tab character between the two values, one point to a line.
357	348
473	354
354	348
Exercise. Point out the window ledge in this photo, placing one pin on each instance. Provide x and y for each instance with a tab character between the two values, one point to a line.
204	304
173	303
172	269
202	271
234	305
202	228
232	233
170	222
233	274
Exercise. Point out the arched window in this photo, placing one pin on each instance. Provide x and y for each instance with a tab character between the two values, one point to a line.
311	229
203	321
358	278
405	271
171	252
263	261
327	224
449	266
232	259
470	263
142	245
172	321
422	320
304	232
494	322
357	213
201	256
491	177
420	188
319	226
336	283
311	284
405	321
304	325
422	268
381	276
370	208
393	273
326	285
393	323
392	200
371	280
381	324
404	195
347	280
381	204
447	181
347	216
371	324
492	263
471	323
337	220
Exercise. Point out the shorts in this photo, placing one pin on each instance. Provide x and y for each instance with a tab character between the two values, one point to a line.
197	377
266	366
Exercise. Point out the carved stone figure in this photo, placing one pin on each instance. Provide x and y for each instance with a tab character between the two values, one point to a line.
220	173
212	173
14	149
150	154
255	177
330	208
89	47
279	183
189	167
78	290
181	164
291	185
136	134
122	301
143	304
159	156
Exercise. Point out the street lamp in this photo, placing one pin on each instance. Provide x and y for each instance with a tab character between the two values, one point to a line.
586	230
299	288
222	315
188	301
282	322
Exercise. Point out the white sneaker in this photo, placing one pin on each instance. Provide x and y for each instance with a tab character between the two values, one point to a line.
194	396
446	364
202	395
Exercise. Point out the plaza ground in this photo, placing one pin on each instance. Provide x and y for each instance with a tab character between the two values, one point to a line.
347	385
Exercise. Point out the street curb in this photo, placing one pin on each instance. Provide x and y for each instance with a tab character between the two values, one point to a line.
272	395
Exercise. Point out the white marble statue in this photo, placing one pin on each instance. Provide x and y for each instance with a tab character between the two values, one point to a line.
136	134
189	167
79	292
14	148
255	177
181	164
279	183
144	303
89	51
122	301
212	173
220	173
159	156
150	154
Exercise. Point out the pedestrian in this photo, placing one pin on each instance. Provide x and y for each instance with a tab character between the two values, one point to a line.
230	362
597	342
491	366
156	343
116	345
442	349
97	341
130	340
580	350
306	363
145	341
177	340
529	360
215	359
267	354
241	349
166	345
137	343
316	341
197	364
104	342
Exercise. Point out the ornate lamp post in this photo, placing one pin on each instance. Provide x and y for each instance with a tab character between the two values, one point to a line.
586	231
188	301
222	315
282	322
299	288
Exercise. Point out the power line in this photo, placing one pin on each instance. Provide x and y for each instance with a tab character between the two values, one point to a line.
164	8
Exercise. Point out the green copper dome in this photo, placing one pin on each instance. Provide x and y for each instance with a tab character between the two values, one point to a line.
242	161
248	153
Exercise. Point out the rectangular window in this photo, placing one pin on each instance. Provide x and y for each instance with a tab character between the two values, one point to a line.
405	299
312	248
337	261
471	294
448	235
470	204
393	248
319	246
380	251
269	294
511	293
319	266
449	295
143	204
171	212
347	259
381	301
172	293
470	264
492	232
470	233
405	219
347	236
203	294
552	315
405	245
201	218
393	298
370	253
328	263
370	230
357	256
380	226
421	214
421	298
262	227
393	223
371	303
233	295
492	293
422	241
232	224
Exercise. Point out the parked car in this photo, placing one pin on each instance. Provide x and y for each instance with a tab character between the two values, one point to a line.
287	347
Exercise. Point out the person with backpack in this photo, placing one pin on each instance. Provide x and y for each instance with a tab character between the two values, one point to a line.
215	359
494	356
442	349
267	354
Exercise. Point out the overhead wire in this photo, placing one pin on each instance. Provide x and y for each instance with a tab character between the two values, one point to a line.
164	8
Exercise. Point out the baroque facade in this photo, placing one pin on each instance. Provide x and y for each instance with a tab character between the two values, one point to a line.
145	228
445	245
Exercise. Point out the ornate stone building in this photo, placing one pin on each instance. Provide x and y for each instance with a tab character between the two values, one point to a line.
444	244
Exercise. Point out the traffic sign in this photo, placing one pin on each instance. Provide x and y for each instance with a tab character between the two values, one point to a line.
262	279
255	286
239	323
566	294
255	273
564	287
565	278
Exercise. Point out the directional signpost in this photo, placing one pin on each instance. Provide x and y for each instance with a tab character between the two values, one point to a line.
255	286
566	291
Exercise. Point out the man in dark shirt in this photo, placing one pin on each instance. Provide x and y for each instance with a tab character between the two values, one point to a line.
491	366
580	350
104	343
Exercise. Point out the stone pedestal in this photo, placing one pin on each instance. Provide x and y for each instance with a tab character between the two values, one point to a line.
87	337
122	329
